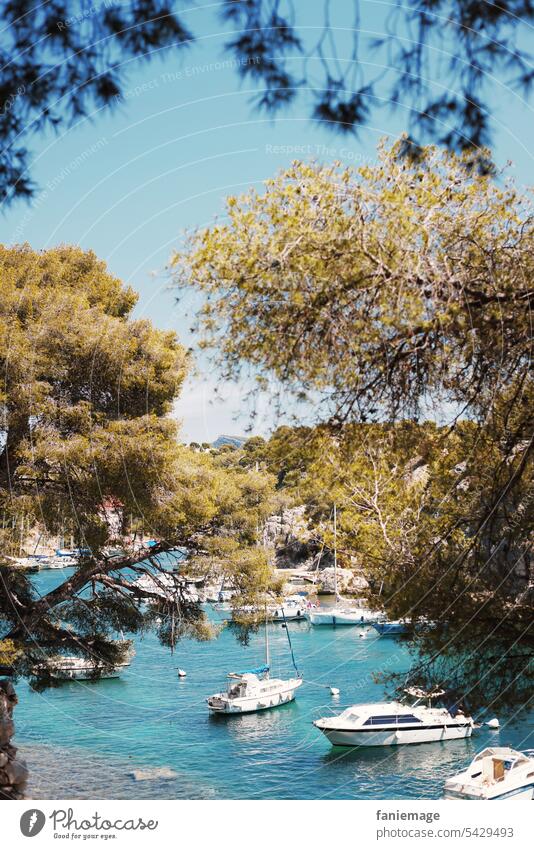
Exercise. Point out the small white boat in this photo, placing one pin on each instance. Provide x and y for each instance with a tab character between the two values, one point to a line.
393	628
395	723
342	615
59	562
25	564
292	609
495	773
71	668
252	691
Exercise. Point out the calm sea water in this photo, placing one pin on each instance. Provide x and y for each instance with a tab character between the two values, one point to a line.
84	739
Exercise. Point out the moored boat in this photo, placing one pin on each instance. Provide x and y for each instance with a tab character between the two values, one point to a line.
292	609
25	564
72	668
495	773
252	691
343	612
393	628
59	562
396	723
342	615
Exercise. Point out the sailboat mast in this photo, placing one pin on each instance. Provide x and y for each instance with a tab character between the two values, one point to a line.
335	551
267	658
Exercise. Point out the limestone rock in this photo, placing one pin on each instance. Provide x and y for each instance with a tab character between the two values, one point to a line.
13	771
153	773
347	581
287	526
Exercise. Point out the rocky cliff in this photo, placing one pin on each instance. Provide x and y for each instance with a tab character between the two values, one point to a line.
295	547
13	770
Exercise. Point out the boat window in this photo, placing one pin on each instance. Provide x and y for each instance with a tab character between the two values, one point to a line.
392	719
381	720
349	713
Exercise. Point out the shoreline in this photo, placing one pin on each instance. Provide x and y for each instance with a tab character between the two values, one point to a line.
57	772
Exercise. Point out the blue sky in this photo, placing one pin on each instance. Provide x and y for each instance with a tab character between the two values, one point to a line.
128	184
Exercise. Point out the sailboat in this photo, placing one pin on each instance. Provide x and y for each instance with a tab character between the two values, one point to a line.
342	613
253	689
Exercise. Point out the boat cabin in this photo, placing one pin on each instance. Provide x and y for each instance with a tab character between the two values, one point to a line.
492	765
242	684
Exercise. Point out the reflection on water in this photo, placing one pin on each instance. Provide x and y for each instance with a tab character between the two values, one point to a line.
83	739
252	728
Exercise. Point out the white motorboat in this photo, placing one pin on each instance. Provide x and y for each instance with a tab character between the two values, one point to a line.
496	773
253	690
24	564
395	723
292	609
59	562
77	669
342	614
72	668
392	628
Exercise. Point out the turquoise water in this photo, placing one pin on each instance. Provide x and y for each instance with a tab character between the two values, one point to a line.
84	739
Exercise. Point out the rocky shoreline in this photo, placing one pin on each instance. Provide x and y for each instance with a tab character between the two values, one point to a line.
75	773
13	770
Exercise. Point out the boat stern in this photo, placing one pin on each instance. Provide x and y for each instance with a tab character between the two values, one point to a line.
217	703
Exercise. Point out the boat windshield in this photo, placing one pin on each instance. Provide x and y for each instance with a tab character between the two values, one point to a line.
484	754
510	758
350	714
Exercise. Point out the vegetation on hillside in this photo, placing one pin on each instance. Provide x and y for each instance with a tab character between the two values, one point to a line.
88	436
379	296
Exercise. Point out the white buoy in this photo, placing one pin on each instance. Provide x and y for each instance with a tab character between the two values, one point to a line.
493	723
362	634
182	673
334	691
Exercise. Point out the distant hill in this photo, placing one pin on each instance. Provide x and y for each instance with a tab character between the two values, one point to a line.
236	441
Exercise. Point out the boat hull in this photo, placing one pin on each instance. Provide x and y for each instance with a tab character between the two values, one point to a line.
253	704
396	737
85	675
518	794
389	629
279	616
340	618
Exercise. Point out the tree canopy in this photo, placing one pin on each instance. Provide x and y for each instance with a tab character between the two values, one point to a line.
371	289
412	519
438	60
87	434
386	296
